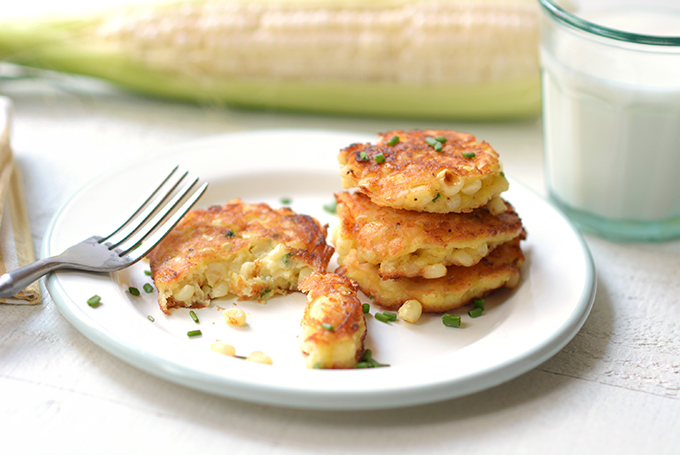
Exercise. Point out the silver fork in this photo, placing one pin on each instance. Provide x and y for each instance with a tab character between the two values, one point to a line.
129	243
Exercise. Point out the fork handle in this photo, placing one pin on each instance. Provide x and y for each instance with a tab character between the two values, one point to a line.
15	281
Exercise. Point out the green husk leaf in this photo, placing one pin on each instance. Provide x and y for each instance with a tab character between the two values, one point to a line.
72	46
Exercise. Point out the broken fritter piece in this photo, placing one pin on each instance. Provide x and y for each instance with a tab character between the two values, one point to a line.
248	250
461	284
412	244
333	325
458	175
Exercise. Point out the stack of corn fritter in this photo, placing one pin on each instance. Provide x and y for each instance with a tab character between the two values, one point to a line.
426	222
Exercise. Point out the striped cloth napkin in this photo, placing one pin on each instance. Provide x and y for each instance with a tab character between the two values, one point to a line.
16	244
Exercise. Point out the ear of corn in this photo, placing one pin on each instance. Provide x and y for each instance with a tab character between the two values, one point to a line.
447	59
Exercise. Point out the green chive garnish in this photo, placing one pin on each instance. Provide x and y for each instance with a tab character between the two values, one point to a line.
375	364
286	258
381	317
229	233
451	320
367	361
331	208
479	303
327	326
150	318
133	291
390	316
469	154
436	197
393	141
379	158
148	288
434	143
94	301
147	272
366	307
194	333
286	201
363	156
193	316
475	312
440	139
264	292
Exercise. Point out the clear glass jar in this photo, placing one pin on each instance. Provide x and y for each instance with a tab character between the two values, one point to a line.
611	114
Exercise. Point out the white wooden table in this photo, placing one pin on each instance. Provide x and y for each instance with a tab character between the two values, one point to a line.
613	389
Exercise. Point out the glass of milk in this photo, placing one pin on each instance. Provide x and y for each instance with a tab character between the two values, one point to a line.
611	114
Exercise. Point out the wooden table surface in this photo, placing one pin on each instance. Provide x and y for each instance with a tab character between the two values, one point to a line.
613	389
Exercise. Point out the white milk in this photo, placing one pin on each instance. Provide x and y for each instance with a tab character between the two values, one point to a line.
612	130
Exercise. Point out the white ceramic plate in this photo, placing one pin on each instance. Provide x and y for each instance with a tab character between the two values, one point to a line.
429	362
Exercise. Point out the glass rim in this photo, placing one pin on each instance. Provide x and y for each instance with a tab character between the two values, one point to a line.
561	15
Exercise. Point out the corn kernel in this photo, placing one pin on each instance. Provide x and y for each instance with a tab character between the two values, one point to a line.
259	357
410	311
235	317
223	348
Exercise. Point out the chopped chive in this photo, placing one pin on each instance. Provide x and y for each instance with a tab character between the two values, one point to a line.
331	208
469	154
229	233
390	316
436	197
94	301
379	158
193	316
381	317
150	318
434	143
451	320
475	312
441	139
375	364
286	201
194	333
242	357
363	156
367	361
393	141
133	291
327	326
148	288
366	307
479	303
286	258
265	292
502	174
147	272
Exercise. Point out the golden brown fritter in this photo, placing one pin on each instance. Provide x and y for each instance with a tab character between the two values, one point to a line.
463	175
333	325
248	250
460	285
411	244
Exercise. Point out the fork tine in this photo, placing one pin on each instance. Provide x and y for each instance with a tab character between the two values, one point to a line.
144	241
144	206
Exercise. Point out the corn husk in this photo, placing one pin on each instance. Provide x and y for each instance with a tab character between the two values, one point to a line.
437	59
